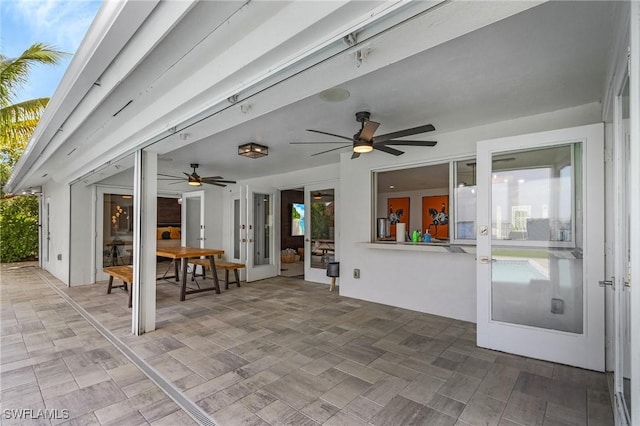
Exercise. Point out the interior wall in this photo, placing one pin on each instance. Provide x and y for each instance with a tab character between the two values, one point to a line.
57	195
287	198
415	205
439	283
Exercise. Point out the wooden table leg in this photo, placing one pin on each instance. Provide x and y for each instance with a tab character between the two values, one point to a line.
212	264
183	289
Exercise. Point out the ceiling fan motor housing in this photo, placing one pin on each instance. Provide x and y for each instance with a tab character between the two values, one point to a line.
363	116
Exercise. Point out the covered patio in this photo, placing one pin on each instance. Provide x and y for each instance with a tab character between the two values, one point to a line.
284	351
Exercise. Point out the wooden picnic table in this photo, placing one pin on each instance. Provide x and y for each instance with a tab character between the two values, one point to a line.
186	253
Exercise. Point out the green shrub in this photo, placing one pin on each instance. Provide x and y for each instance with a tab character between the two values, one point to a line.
18	228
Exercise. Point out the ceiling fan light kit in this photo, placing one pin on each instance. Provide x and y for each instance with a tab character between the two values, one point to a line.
364	141
361	146
253	150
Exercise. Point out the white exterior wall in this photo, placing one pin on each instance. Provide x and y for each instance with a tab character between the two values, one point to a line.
57	195
438	283
83	233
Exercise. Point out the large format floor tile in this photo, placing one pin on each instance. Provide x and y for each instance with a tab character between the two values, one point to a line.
277	351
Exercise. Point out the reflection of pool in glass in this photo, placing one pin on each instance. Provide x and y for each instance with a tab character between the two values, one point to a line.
515	271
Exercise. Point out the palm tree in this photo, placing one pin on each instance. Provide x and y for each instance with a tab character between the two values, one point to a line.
19	120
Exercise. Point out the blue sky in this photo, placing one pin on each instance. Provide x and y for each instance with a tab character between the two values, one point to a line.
61	23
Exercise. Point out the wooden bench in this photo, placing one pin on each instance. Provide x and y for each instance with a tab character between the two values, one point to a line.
123	273
227	266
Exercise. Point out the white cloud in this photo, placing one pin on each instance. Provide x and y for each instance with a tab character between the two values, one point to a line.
62	23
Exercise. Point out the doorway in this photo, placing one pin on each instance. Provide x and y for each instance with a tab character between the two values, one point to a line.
292	228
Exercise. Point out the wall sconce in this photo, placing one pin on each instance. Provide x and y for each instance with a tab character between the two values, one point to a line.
253	150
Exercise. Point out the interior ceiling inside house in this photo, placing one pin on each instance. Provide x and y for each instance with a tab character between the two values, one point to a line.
547	58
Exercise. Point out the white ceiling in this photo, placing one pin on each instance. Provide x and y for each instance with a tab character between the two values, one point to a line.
547	58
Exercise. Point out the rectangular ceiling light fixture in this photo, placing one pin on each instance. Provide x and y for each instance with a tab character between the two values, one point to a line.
253	150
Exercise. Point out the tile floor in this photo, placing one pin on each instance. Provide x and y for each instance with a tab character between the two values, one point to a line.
274	352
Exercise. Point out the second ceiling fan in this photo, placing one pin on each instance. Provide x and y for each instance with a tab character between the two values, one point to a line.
365	141
194	179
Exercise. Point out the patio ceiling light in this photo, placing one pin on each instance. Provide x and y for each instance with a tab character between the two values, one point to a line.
253	150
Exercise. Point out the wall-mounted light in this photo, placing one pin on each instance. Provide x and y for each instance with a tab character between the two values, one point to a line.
253	150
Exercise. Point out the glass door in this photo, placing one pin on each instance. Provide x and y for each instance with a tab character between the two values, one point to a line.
263	248
622	271
541	246
320	235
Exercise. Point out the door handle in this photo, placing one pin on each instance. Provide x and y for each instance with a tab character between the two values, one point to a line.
307	240
607	282
250	240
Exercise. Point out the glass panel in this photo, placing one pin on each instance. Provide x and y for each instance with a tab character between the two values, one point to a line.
417	197
322	228
117	229
262	231
465	200
537	279
236	229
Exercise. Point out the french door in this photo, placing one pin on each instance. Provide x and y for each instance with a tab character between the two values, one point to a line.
540	249
259	207
320	239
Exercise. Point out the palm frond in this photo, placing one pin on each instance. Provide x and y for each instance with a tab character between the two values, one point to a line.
14	72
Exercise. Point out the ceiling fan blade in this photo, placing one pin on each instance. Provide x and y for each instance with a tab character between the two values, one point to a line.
329	150
187	175
314	143
388	149
171	176
408	143
368	130
355	155
330	134
217	181
175	183
212	177
405	132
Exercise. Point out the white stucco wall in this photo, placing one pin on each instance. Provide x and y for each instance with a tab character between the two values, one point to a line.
57	195
82	235
438	283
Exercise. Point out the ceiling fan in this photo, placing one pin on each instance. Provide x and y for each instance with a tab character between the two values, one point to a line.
364	141
194	179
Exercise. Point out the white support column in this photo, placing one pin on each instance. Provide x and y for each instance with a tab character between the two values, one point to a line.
634	195
145	193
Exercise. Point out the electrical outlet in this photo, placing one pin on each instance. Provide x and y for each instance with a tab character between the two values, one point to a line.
356	273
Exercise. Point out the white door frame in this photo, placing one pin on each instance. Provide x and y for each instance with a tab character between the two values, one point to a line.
584	350
634	195
620	190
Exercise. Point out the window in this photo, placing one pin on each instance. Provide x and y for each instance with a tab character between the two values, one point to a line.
426	199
